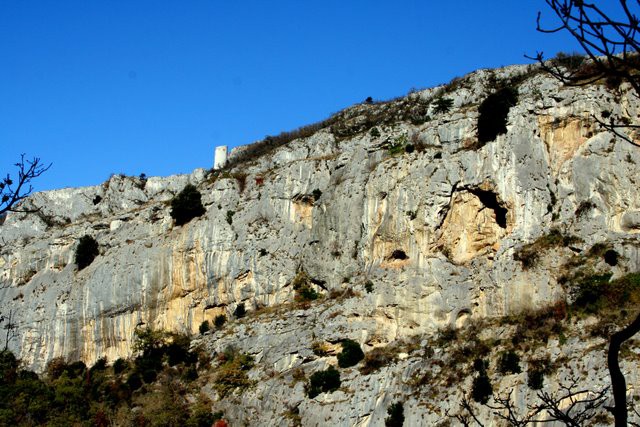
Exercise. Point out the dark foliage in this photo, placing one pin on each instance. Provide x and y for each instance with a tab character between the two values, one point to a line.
350	355
134	381
509	363
149	376
589	292
100	365
368	286
323	382
396	415
219	321
480	365
204	327
481	389
377	358
493	112
119	366
442	105
86	251
187	205
535	378
529	254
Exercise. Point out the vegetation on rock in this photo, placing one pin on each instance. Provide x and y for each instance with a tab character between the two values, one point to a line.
187	205
350	355
86	251
493	112
323	382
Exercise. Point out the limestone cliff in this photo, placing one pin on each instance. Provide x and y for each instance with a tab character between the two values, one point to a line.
416	207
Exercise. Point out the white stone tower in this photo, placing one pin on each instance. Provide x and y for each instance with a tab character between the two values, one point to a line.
220	158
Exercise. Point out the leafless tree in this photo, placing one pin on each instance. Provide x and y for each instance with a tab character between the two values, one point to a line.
10	328
573	406
12	191
608	36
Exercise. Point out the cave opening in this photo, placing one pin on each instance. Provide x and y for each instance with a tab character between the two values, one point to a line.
611	257
399	254
490	200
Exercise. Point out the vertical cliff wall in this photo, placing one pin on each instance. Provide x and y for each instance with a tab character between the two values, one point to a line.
416	207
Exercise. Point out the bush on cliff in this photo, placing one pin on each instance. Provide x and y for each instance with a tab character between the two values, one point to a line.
323	382
350	355
187	205
86	251
493	112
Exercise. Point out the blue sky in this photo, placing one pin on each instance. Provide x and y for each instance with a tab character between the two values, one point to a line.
132	86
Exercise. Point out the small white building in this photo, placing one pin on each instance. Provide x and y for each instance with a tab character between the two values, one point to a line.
220	157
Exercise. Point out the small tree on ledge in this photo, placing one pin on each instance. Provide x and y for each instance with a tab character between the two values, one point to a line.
187	205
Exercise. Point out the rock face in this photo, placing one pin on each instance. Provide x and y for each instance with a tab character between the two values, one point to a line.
416	208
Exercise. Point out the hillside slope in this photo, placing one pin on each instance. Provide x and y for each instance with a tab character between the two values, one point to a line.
396	214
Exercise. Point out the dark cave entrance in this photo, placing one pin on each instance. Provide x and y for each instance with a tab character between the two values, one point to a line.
490	200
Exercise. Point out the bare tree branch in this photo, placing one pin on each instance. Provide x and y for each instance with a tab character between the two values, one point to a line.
13	191
504	408
611	46
574	406
10	327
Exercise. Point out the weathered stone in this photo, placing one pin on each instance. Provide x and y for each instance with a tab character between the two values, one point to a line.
431	232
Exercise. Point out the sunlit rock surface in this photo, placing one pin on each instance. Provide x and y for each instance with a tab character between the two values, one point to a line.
433	230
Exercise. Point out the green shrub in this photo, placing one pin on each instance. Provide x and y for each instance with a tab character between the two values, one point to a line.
572	61
134	381
509	363
187	205
302	285
177	351
219	321
379	357
480	366
398	146
319	349
230	215
481	389
493	112
232	373
190	374
8	367
350	355
396	415
204	327
86	251
442	105
589	292
149	376
119	366
323	382
368	286
529	254
202	417
100	365
374	132
535	378
596	293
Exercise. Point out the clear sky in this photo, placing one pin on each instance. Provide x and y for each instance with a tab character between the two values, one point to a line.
130	86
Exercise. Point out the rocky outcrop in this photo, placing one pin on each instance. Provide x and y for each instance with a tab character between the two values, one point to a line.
415	208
